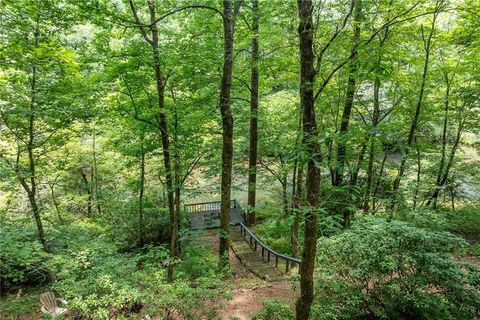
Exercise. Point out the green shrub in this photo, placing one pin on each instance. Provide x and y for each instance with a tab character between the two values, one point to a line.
274	310
97	281
382	270
465	222
22	258
425	218
275	233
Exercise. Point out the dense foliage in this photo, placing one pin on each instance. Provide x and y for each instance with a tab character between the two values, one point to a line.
348	130
394	270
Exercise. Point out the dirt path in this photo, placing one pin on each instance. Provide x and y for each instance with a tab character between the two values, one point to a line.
248	290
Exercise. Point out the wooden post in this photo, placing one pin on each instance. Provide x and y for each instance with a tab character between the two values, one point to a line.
276	261
287	266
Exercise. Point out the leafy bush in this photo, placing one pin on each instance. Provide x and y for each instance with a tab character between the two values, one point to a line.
274	310
465	222
95	279
425	218
382	270
275	233
22	259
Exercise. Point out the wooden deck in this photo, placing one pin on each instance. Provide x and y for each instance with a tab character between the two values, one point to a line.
211	218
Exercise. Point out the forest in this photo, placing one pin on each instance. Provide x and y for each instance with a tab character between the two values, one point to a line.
240	159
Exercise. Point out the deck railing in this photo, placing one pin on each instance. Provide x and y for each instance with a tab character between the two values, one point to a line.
208	206
255	242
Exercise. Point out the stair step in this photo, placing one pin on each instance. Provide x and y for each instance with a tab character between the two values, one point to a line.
253	260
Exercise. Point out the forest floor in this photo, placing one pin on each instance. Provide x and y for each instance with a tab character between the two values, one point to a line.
248	291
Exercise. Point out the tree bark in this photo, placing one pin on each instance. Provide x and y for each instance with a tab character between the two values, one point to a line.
252	162
227	126
307	78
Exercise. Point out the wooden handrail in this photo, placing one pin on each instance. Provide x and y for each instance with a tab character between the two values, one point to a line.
254	242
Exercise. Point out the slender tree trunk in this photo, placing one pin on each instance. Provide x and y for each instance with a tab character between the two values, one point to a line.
452	195
307	78
227	126
55	202
361	157
31	189
371	150
351	85
419	174
178	183
297	193
377	184
141	223
95	169
416	116
441	166
88	189
252	164
297	201
284	180
443	180
160	86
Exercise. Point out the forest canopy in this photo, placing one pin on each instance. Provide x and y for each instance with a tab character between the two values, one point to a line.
240	159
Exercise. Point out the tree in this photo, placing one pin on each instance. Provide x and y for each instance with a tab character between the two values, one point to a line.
229	14
162	123
307	78
40	95
427	42
252	161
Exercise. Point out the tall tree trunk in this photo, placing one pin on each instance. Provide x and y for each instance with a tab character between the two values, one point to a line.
141	223
227	126
307	78
351	85
413	127
252	163
32	189
160	86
